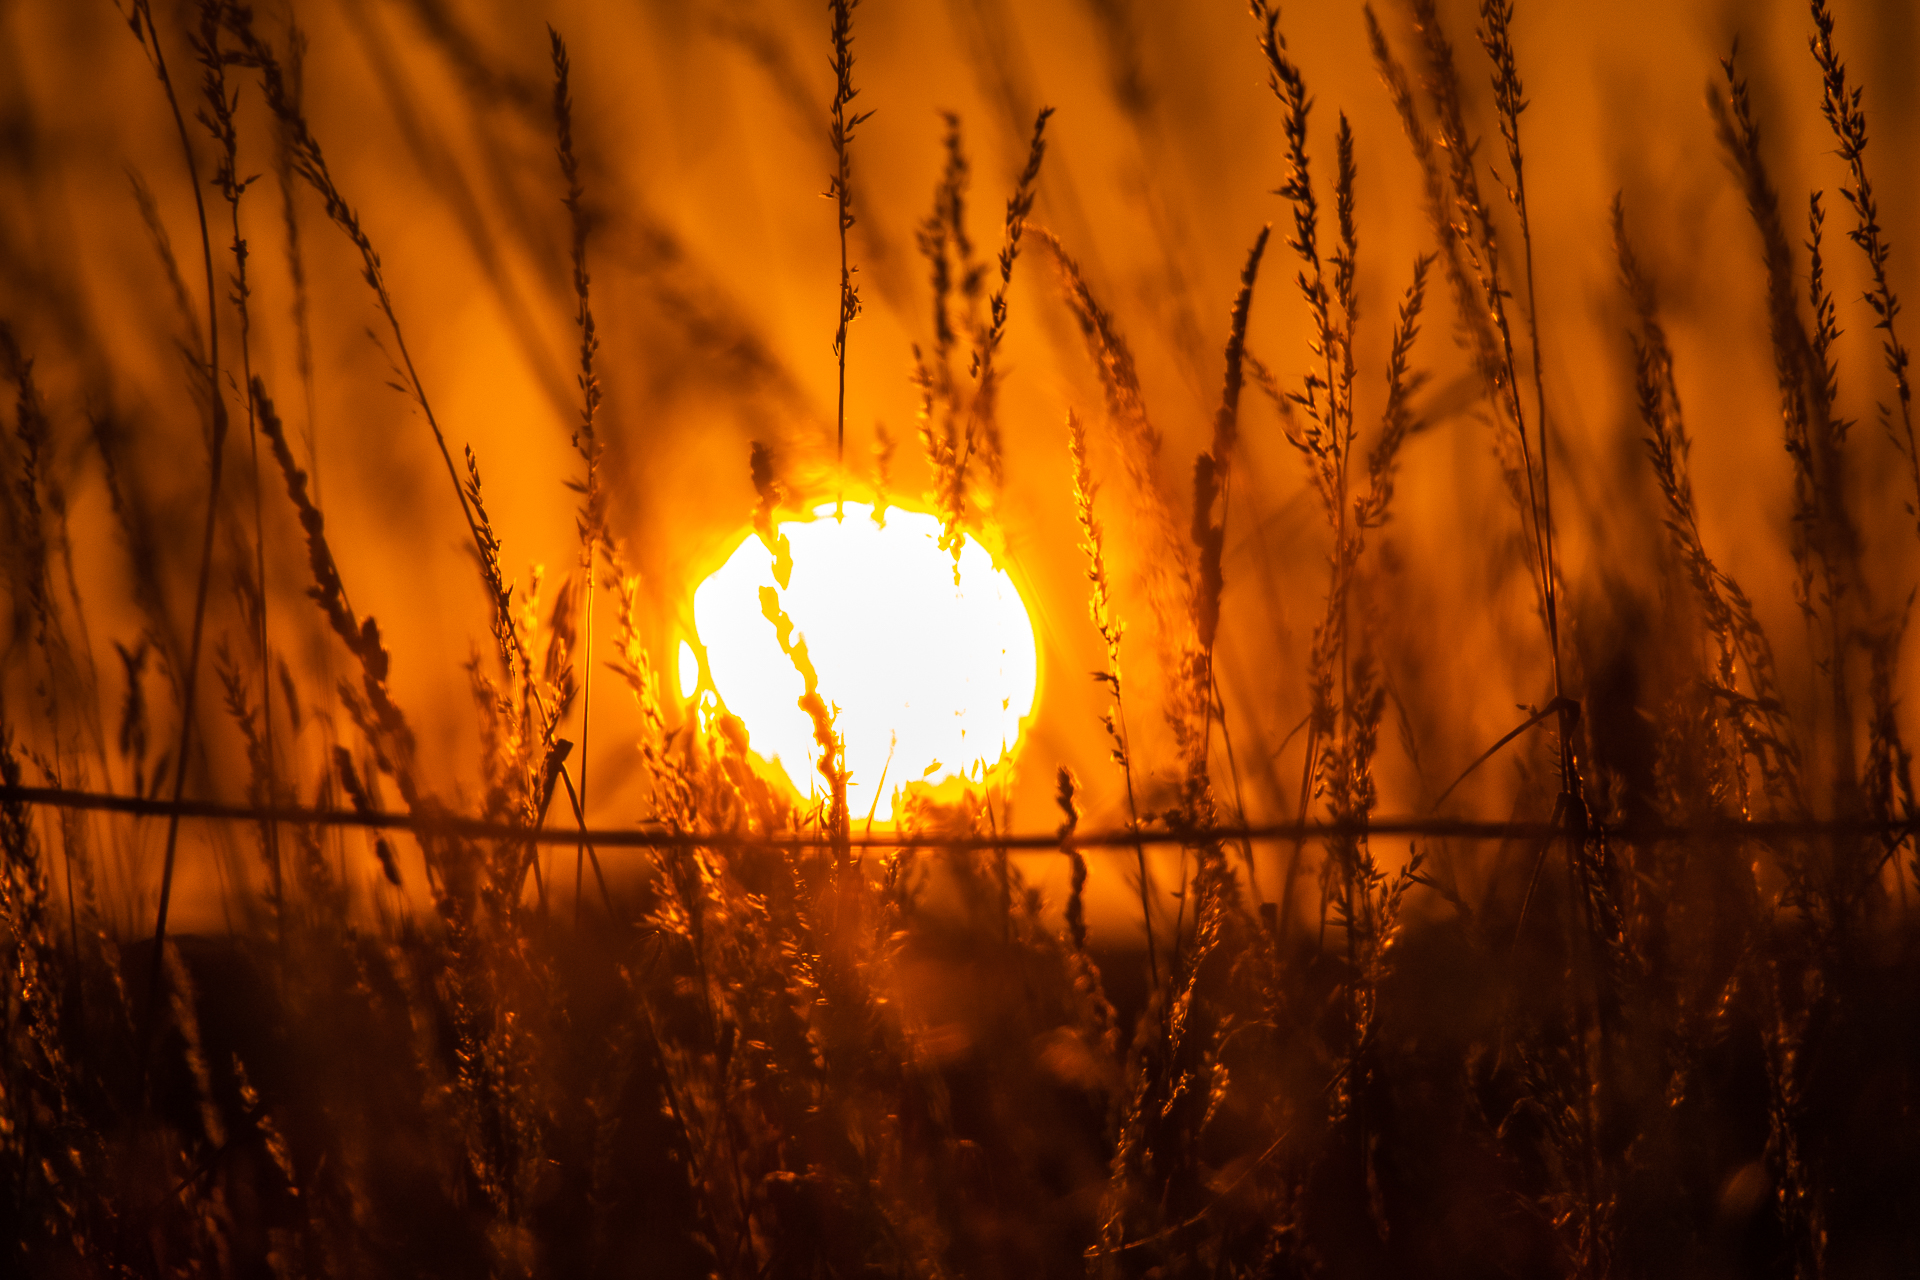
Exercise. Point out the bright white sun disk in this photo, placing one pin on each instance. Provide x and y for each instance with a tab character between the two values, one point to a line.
931	679
689	670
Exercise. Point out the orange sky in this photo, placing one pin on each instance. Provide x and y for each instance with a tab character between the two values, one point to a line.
702	133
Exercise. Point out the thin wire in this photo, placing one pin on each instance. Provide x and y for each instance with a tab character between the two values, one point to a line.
451	824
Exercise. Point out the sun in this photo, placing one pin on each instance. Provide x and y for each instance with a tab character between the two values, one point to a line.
932	678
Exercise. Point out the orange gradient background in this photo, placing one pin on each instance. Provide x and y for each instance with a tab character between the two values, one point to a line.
702	133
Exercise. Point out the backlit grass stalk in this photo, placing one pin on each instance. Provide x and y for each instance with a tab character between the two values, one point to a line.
37	1069
1496	38
1212	472
1324	402
1466	221
386	726
1166	552
1324	407
840	191
1759	714
216	115
959	414
296	268
1100	606
1826	542
25	893
141	20
1346	691
311	165
1848	122
947	428
986	374
1588	857
1477	335
832	760
591	520
283	164
1841	107
34	434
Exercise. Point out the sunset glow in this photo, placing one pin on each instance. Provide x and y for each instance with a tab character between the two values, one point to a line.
932	679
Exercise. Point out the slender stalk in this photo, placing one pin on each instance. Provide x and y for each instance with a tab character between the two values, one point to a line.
33	434
141	20
310	163
983	412
1495	35
1841	106
218	117
1469	231
840	191
1100	606
1212	471
592	516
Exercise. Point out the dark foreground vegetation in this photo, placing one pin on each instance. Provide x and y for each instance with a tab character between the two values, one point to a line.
1667	1025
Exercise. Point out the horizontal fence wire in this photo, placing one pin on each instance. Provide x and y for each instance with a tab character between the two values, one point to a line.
451	825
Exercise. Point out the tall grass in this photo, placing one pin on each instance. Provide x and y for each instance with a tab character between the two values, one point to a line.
1662	1023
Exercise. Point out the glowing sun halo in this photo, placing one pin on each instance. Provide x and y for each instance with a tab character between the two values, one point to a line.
932	680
